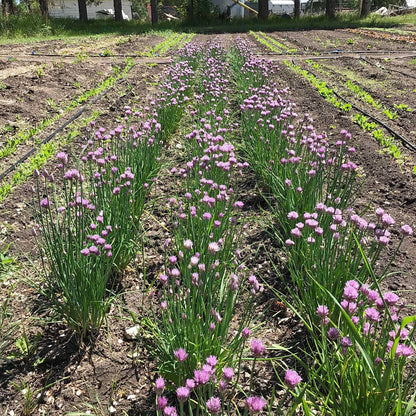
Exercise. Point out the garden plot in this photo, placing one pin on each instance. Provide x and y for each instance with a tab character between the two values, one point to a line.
110	373
338	41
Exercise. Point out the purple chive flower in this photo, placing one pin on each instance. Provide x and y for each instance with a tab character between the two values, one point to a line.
45	203
63	157
228	373
322	311
94	250
182	393
333	333
345	342
406	230
257	348
213	248
293	215
181	354
372	314
384	240
292	378
350	293
289	243
212	360
159	386
85	251
222	385
190	383
372	295
353	283
245	333
238	204
386	220
390	298
170	411
296	232
188	244
255	404
162	402
201	377
214	405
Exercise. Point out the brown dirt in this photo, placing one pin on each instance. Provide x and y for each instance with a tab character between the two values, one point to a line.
112	370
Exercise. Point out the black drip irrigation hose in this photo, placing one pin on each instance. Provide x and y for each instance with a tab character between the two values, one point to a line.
405	142
337	52
388	69
59	129
74	56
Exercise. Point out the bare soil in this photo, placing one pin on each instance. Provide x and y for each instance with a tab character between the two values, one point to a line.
111	370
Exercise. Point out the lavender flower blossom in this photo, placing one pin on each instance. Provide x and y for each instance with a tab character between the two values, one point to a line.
181	354
292	379
214	405
255	404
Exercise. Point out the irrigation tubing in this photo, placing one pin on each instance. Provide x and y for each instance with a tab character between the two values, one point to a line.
381	123
59	129
340	52
55	55
387	69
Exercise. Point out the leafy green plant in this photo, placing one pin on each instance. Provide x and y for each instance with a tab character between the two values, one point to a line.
350	41
391	115
404	107
39	71
26	348
51	103
5	259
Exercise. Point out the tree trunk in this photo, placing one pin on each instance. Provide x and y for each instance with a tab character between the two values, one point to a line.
191	10
365	8
118	13
43	6
297	9
153	6
330	8
7	7
263	9
82	9
28	6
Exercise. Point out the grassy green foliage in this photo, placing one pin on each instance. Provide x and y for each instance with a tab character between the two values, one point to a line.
37	28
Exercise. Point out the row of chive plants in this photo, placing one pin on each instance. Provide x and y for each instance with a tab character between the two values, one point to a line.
202	329
89	218
360	343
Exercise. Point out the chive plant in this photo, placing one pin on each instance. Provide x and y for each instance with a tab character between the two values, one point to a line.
92	229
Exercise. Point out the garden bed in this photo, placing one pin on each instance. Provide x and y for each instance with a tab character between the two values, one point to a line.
114	373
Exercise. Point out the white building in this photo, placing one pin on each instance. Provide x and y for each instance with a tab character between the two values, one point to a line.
69	8
280	7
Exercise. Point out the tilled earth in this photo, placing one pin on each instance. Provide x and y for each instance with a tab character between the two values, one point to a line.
113	371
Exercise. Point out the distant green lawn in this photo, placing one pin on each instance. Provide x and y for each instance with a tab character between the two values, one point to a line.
34	27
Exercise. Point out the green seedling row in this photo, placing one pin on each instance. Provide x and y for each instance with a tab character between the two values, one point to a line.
387	142
45	153
23	136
